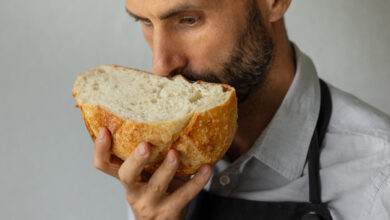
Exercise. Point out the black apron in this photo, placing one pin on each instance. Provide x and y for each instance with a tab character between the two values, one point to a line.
208	206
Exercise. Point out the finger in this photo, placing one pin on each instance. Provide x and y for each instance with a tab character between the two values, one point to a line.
161	178
130	171
102	154
182	196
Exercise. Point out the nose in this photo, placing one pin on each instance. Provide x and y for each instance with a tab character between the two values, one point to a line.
167	58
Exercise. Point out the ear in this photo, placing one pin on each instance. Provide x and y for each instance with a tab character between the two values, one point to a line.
276	9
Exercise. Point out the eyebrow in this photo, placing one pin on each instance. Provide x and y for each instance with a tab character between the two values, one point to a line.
169	14
136	17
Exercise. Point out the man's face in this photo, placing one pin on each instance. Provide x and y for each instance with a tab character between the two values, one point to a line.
222	41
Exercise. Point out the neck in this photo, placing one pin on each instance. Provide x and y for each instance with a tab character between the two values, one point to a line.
258	110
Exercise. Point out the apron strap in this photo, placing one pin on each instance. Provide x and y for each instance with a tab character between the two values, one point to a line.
316	143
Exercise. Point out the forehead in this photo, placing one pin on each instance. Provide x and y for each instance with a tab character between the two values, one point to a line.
161	5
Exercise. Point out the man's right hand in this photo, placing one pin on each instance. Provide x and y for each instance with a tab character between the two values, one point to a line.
149	199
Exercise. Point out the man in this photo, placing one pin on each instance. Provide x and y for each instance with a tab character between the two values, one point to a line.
285	117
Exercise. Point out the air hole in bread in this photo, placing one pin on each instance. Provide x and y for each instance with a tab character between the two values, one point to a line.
95	86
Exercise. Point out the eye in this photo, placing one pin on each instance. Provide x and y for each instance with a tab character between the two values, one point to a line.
190	21
146	23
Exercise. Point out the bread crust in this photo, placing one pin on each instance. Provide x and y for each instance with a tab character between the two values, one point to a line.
200	138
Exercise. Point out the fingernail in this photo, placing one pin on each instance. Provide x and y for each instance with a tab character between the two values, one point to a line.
171	157
205	170
100	135
141	149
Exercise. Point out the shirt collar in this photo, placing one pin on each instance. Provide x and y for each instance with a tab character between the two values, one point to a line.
284	144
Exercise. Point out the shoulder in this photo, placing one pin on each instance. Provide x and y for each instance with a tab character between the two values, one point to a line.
356	157
353	116
357	132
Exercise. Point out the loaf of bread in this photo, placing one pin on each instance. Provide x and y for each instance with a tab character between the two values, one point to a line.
198	119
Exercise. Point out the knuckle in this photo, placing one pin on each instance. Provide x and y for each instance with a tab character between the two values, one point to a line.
180	196
166	171
170	167
167	213
185	198
155	188
174	207
122	175
144	210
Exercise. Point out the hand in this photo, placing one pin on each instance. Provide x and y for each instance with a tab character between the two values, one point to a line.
149	199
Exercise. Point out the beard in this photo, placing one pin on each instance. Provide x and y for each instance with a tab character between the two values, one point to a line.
250	60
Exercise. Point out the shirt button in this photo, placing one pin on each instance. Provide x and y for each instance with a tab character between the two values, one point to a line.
224	180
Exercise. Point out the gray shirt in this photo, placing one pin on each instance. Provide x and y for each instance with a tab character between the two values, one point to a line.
355	157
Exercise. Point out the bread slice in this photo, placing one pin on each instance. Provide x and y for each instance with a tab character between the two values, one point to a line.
198	119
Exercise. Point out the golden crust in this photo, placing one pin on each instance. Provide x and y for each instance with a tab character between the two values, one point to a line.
201	138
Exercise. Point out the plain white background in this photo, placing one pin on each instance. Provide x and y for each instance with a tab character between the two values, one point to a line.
46	167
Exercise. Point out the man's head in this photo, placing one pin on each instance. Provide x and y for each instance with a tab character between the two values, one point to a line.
225	41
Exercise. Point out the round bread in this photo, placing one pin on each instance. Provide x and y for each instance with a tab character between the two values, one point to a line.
200	137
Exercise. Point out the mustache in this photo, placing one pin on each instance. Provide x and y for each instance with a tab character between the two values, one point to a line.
193	76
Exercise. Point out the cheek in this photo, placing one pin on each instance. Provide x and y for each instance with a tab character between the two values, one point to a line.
210	48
